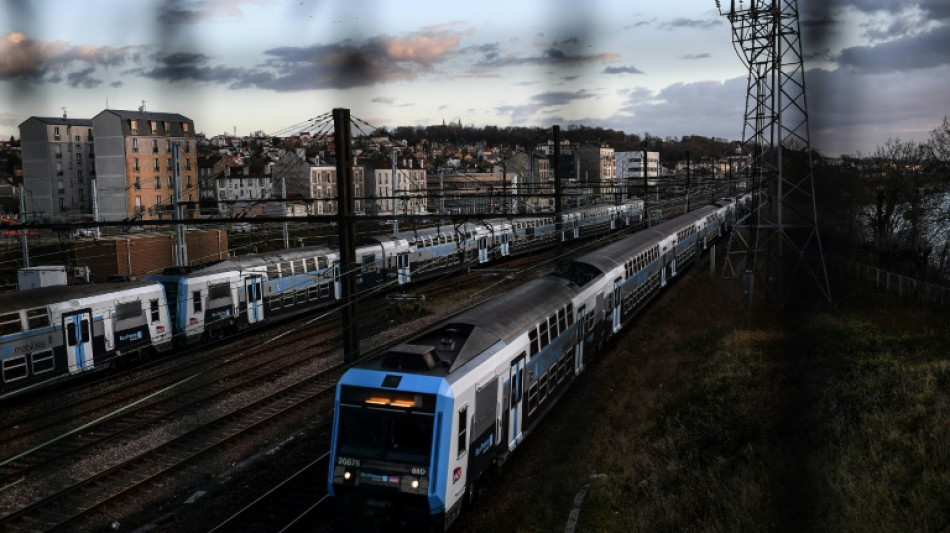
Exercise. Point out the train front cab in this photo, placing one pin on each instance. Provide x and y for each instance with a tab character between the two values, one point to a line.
389	450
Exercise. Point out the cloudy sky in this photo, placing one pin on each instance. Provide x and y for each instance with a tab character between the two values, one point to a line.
877	69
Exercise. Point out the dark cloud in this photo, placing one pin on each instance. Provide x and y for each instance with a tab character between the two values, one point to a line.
383	100
693	24
922	51
83	79
22	58
559	98
176	12
540	103
692	57
551	56
626	69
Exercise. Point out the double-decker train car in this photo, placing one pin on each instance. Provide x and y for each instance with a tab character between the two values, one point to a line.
417	428
51	332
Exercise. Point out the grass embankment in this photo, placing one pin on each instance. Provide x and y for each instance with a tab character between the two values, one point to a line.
706	417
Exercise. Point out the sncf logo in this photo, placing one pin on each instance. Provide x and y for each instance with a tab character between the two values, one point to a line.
456	474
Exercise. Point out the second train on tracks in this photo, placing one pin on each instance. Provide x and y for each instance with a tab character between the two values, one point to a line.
53	332
417	428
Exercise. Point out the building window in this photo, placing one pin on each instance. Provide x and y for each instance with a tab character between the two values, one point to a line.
138	204
56	133
135	145
62	204
155	146
158	182
79	158
59	168
167	127
133	127
158	203
154	127
135	164
187	164
58	151
79	174
169	161
184	127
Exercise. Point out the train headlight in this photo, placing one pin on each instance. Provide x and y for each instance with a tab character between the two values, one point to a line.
414	484
347	475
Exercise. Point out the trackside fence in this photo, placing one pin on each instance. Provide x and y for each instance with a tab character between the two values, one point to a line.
904	286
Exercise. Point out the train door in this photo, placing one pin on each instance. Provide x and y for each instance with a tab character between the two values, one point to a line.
617	304
402	265
504	244
581	338
483	249
77	337
254	297
576	224
517	394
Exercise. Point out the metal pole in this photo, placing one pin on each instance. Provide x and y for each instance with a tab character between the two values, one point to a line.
95	203
26	245
687	181
392	193
556	133
347	233
283	207
181	252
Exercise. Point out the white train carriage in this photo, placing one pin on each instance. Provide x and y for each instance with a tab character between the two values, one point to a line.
50	332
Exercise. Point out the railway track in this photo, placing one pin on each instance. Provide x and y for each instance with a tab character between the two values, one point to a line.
294	504
86	499
90	503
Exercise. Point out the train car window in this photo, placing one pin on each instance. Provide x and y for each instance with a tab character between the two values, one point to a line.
43	362
196	301
533	337
153	310
463	430
561	320
570	314
272	272
311	264
275	301
10	323
219	291
14	369
288	298
552	326
301	295
313	292
323	263
542	387
85	330
286	269
127	310
368	263
37	318
324	289
532	398
543	333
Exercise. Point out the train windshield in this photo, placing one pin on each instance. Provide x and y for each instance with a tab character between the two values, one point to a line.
386	427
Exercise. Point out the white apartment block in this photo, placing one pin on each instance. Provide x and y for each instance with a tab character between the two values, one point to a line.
630	167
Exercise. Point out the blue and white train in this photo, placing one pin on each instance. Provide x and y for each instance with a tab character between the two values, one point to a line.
418	427
183	306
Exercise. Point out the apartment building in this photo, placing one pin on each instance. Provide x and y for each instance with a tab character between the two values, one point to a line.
630	168
58	166
133	159
323	189
400	193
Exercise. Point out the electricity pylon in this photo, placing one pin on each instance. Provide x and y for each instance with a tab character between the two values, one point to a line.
777	240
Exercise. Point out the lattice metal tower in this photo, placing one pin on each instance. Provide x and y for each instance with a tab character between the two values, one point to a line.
777	242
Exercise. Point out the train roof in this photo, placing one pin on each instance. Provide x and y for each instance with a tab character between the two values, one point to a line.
244	262
460	339
30	298
609	257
